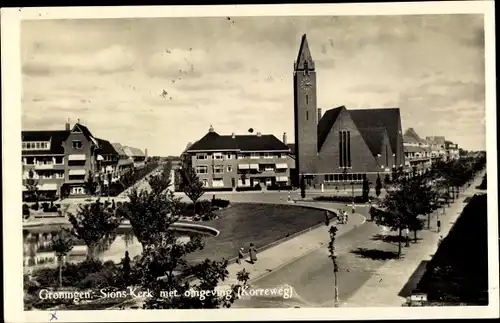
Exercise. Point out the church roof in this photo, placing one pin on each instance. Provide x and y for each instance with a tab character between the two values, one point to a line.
213	141
379	118
411	136
374	137
326	123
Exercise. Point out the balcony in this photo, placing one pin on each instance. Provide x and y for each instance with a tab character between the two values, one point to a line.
44	166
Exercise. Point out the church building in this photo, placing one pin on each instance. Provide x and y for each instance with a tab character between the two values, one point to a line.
341	145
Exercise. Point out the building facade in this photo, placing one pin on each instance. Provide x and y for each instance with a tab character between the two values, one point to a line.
61	160
231	161
341	145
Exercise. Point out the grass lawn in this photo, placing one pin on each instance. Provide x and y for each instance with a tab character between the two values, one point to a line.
260	224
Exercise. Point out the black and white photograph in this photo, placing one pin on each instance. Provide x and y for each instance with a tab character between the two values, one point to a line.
268	161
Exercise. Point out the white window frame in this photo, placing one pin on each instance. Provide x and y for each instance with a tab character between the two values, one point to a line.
73	144
229	169
254	155
229	156
218	156
268	155
201	156
220	169
201	167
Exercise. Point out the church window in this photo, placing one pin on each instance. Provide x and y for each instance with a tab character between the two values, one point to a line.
336	177
307	115
307	99
345	149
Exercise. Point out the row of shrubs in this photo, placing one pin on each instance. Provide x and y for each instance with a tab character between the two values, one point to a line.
204	209
483	184
276	187
337	198
46	207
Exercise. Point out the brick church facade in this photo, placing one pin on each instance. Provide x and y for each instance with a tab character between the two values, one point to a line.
341	145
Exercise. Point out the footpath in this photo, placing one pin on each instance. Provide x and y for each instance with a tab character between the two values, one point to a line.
285	252
384	287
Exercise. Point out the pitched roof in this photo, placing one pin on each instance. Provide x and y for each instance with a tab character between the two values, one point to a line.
106	148
379	118
411	136
119	148
374	138
437	140
304	55
56	138
214	141
326	123
133	152
414	149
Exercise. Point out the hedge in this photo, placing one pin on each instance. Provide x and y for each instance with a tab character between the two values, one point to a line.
249	188
214	189
279	187
220	203
336	198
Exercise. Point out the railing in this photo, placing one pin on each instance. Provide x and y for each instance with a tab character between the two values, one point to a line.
44	166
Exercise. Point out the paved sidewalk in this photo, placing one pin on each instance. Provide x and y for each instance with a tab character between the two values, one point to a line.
382	289
283	253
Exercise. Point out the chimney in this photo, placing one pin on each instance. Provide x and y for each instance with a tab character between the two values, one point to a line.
211	129
233	135
319	114
259	134
146	152
78	120
284	138
67	125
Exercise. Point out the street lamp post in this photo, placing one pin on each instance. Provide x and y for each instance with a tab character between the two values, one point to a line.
352	185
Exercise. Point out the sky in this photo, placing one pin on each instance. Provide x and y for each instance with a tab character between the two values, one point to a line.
159	83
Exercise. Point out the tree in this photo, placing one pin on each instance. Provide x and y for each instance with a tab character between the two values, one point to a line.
32	186
194	187
161	181
302	186
396	212
126	268
109	178
387	180
62	243
378	185
92	223
90	184
150	214
331	249
366	189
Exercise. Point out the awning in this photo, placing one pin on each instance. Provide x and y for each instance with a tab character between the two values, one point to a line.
254	166
76	157
77	172
48	187
281	178
281	166
243	166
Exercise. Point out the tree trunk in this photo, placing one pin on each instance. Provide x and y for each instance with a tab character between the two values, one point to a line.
336	288
60	258
399	242
429	221
415	236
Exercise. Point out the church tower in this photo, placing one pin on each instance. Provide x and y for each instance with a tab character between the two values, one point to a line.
305	111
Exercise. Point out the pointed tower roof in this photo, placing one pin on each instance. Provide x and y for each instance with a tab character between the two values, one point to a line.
304	56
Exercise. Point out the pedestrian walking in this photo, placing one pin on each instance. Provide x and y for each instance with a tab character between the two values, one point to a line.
241	255
439	226
346	217
253	253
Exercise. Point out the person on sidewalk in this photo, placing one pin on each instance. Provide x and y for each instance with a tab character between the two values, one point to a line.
241	255
439	225
346	216
253	253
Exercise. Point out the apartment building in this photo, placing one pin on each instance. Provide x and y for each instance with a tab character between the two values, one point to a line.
421	153
452	150
231	161
62	160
